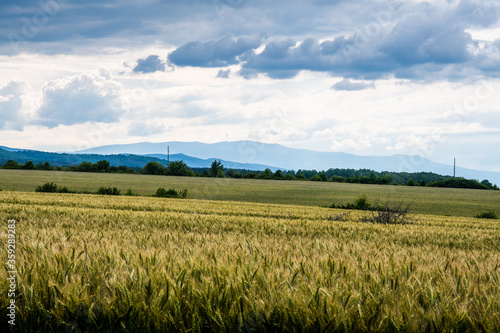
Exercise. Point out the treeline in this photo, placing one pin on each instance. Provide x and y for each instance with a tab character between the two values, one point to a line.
360	176
100	166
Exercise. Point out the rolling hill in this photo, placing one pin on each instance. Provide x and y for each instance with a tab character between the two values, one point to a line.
290	158
130	160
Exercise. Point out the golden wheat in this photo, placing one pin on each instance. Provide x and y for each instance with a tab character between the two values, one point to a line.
89	262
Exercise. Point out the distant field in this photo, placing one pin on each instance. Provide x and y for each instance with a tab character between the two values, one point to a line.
437	201
89	263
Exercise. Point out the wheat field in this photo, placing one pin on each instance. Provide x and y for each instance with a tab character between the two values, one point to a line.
425	200
88	263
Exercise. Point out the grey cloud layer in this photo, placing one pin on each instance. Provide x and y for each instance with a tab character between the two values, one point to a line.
429	43
214	53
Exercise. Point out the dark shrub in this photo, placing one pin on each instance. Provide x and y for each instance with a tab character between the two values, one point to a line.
108	191
129	192
63	190
362	203
392	213
388	213
170	193
487	215
47	187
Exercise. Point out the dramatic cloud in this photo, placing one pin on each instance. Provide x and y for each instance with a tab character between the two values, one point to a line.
142	128
151	64
430	43
79	99
11	104
349	85
214	53
238	61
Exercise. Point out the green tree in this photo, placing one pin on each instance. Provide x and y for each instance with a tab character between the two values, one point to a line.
230	173
316	178
29	166
47	166
101	166
10	164
362	179
385	179
411	182
266	174
154	168
215	167
179	168
323	177
300	175
43	166
85	167
487	183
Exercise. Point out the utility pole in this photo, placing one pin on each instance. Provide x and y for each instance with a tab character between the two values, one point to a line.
454	166
168	155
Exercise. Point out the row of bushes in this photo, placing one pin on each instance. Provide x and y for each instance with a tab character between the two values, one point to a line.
100	166
361	176
170	193
51	187
388	213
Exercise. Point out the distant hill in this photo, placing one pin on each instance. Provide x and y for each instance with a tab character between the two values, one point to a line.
194	162
289	158
130	160
12	149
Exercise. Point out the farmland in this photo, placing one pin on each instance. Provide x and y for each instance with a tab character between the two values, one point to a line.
436	201
101	263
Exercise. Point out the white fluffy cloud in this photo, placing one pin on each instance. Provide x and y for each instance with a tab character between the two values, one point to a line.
11	105
94	97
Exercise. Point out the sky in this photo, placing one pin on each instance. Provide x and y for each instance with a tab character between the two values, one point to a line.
363	77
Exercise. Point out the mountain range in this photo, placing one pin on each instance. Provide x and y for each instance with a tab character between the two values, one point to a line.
286	158
250	155
130	160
